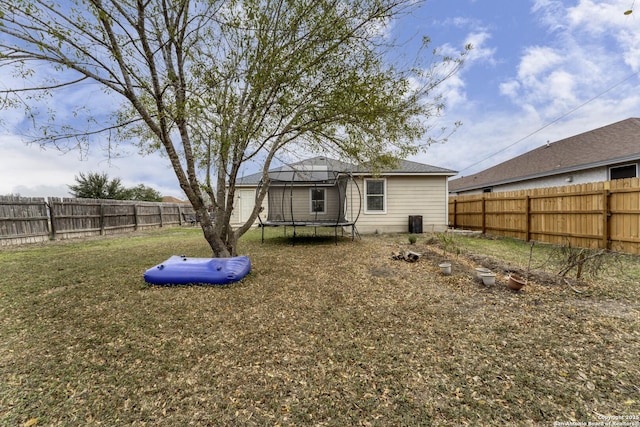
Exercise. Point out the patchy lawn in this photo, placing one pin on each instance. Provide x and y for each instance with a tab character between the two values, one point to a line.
317	334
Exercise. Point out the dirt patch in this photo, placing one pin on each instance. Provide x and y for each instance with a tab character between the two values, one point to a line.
382	272
616	309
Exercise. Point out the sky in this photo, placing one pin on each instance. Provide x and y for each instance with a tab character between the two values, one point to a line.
539	71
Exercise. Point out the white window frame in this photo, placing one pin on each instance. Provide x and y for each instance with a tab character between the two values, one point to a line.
324	204
384	197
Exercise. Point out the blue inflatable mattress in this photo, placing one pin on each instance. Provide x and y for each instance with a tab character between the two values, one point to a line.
181	270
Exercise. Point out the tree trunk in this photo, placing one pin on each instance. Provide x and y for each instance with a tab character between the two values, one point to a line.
212	234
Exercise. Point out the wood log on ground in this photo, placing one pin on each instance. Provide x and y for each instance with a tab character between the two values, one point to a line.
406	255
411	256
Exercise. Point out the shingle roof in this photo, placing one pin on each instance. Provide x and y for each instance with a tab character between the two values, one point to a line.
407	167
615	143
312	169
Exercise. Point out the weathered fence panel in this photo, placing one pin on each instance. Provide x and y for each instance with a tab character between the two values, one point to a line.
29	220
91	217
23	220
74	217
595	215
623	227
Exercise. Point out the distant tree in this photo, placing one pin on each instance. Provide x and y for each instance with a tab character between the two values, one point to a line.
142	192
218	84
97	186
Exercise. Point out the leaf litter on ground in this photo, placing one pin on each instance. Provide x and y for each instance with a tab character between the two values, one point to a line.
317	334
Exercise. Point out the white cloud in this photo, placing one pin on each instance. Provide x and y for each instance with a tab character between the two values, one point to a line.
552	13
561	86
41	191
631	54
29	166
536	61
480	52
597	18
510	88
33	171
604	23
585	57
454	88
453	91
567	83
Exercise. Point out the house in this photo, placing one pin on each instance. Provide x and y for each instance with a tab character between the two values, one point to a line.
325	192
607	153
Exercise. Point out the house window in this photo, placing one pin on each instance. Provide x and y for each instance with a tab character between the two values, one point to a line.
318	201
621	172
375	196
487	190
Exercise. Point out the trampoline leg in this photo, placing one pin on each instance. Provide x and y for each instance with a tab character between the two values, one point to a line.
354	232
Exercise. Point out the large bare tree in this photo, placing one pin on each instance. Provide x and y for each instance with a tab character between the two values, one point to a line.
214	84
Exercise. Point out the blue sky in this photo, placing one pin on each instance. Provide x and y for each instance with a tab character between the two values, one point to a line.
540	70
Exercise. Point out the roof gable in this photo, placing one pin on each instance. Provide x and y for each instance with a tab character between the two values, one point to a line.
614	143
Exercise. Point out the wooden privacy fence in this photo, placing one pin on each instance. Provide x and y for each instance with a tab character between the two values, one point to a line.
33	219
595	215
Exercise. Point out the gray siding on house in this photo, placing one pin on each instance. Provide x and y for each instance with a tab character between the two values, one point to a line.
294	204
406	196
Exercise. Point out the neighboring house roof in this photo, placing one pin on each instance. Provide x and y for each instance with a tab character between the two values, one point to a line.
612	144
171	199
321	168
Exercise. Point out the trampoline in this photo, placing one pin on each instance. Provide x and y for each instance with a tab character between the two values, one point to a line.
314	193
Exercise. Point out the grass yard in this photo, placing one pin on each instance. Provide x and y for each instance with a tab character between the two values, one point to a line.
317	334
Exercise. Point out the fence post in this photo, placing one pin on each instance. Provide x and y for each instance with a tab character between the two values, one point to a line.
135	216
160	210
455	213
52	218
528	218
484	215
606	214
101	219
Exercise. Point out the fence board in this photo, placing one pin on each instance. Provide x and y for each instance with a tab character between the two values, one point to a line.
23	220
595	215
29	220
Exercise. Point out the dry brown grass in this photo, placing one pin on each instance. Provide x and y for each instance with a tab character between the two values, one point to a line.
317	334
